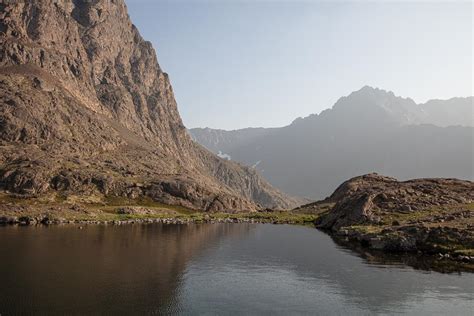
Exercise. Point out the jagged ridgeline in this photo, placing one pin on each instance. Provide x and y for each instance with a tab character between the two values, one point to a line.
87	112
368	130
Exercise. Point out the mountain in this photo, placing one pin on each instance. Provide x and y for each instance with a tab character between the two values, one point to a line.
455	111
371	130
86	112
221	141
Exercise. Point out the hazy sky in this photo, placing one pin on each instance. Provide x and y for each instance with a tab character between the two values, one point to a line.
236	64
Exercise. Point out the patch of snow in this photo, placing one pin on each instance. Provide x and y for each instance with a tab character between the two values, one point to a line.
256	164
222	155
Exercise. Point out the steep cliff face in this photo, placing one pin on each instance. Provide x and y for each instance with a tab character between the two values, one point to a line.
85	109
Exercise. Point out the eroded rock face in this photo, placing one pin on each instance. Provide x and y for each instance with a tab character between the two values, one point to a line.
85	108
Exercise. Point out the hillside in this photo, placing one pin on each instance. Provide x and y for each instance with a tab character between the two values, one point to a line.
86	113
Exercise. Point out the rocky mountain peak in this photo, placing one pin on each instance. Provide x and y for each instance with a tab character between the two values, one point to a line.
370	96
77	43
83	93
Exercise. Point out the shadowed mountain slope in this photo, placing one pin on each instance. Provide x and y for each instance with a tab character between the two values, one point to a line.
371	130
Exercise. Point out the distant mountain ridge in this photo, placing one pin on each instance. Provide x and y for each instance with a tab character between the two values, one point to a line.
370	130
221	141
456	111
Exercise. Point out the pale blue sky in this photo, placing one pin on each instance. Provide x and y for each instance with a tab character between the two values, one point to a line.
236	64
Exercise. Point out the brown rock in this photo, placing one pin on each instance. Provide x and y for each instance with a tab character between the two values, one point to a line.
84	105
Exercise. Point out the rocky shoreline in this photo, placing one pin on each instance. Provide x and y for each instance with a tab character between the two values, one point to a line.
406	240
31	221
424	217
433	217
381	244
150	216
418	260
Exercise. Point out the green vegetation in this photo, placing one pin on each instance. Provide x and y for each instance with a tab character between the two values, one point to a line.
277	217
110	208
111	203
425	215
316	208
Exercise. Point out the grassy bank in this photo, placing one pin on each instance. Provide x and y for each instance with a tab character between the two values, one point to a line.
56	208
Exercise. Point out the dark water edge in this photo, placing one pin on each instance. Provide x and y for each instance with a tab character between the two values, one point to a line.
417	261
213	268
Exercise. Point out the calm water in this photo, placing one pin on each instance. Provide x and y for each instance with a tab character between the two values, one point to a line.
210	269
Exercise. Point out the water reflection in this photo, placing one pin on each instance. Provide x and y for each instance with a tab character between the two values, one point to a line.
401	260
286	268
135	268
214	268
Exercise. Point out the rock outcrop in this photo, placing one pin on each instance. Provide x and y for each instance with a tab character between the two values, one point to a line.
428	215
85	109
371	198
